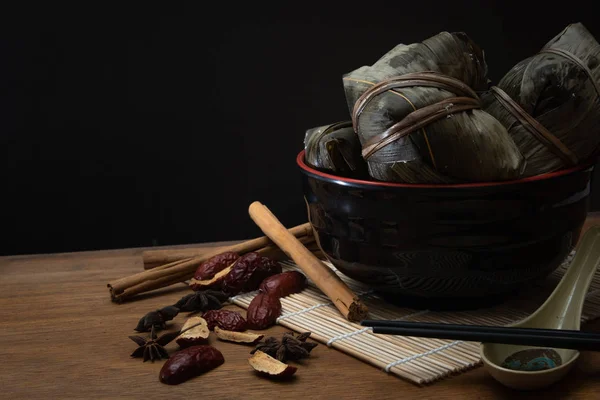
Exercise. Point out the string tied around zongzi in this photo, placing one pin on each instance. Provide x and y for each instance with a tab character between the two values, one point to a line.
537	129
559	88
463	144
577	61
465	100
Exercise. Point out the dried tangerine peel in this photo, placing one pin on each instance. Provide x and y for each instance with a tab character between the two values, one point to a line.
238	337
267	365
196	332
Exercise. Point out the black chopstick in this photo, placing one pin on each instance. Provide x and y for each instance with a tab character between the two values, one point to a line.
473	328
575	340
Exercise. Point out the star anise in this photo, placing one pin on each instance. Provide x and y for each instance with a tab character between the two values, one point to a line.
202	301
152	348
290	347
157	319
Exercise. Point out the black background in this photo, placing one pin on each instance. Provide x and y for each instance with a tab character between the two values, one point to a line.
157	126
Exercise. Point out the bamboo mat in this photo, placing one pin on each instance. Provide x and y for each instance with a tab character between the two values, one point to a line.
418	360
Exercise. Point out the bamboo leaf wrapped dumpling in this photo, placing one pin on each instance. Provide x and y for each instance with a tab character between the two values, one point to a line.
452	54
550	102
335	149
418	119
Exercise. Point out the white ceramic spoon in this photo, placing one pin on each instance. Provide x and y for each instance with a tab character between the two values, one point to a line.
562	310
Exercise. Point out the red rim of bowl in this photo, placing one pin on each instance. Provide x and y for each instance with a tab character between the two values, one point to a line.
305	167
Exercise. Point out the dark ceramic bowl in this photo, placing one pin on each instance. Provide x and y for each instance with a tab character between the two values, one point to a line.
447	241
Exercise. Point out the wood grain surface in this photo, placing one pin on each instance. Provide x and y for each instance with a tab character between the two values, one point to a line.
62	337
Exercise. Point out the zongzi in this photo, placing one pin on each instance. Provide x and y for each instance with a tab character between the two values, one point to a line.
452	54
550	103
416	113
335	149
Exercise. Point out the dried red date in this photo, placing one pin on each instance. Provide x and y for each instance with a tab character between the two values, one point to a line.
263	311
214	283
225	319
241	272
190	362
284	284
210	267
266	268
248	272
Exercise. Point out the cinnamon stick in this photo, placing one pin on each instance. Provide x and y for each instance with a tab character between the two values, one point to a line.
350	305
274	252
269	251
150	285
171	264
167	256
152	265
180	277
181	270
161	265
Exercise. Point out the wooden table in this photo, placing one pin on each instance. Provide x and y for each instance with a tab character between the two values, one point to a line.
62	337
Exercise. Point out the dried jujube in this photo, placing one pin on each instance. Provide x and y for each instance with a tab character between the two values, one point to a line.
214	283
188	363
266	267
283	284
225	319
248	272
210	267
263	311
